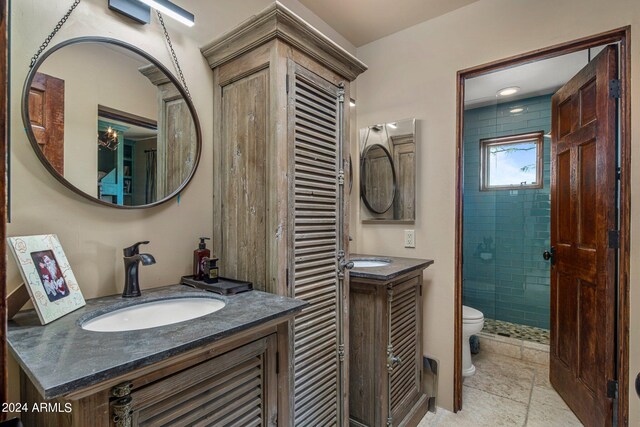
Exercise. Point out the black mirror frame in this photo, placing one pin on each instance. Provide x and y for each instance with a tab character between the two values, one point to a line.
363	188
34	143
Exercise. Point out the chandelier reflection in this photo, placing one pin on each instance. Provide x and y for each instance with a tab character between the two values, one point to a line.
108	139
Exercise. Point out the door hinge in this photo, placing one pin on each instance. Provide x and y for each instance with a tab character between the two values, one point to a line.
287	83
612	389
614	88
341	177
618	174
341	352
614	239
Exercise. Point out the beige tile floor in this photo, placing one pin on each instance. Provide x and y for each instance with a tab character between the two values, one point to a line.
506	392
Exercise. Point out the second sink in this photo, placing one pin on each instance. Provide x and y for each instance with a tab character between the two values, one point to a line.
153	314
370	262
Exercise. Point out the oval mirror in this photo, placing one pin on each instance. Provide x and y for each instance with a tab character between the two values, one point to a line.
377	179
111	123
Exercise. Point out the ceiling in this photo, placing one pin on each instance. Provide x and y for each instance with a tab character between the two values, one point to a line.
357	22
363	21
537	78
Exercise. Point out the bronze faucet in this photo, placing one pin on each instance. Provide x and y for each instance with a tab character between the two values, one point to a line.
132	259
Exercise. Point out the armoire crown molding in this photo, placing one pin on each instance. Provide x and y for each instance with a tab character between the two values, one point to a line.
278	22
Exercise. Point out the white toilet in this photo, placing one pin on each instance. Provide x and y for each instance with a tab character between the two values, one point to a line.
472	323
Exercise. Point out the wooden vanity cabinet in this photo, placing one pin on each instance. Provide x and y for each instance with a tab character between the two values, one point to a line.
236	382
281	123
385	332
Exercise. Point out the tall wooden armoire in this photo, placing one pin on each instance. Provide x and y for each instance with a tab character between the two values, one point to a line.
281	161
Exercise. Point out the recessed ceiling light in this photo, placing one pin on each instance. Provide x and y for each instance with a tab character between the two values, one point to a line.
393	125
508	91
516	110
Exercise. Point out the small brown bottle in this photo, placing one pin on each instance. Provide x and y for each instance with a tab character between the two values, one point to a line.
213	270
200	270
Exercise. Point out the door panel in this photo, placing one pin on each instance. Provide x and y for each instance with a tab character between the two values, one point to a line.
46	111
567	324
583	191
315	241
243	246
587	195
405	378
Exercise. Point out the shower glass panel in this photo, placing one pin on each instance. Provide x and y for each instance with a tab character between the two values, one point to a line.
506	212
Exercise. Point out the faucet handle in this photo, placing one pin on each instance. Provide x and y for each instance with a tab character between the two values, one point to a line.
133	249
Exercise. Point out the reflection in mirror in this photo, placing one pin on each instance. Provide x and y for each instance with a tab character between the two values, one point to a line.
378	179
388	172
127	165
111	124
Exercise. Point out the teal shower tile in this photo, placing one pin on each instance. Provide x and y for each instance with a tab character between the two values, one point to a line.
515	283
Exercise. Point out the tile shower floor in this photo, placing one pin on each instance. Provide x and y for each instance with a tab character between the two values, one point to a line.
513	330
506	392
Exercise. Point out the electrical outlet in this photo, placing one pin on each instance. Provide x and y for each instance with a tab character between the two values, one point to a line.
409	238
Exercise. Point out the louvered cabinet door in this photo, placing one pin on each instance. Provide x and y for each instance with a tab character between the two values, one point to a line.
315	242
405	350
235	389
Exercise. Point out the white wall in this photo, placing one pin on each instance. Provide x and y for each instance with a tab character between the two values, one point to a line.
413	74
93	236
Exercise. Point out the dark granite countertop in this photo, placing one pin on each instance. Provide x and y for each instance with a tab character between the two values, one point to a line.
397	267
61	357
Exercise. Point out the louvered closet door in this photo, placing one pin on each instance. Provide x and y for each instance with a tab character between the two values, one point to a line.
404	380
315	241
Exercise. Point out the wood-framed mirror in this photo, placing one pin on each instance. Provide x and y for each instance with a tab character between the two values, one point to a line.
388	172
111	123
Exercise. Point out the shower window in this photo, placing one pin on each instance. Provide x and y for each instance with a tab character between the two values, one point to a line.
511	162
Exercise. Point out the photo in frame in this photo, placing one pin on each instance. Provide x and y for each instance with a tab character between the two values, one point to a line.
47	275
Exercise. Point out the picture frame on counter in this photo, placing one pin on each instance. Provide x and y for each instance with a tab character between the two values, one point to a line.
47	275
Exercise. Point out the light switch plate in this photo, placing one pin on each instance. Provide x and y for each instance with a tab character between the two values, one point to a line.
409	238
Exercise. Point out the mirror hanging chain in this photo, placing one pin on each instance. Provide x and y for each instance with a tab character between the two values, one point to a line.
55	30
176	63
66	16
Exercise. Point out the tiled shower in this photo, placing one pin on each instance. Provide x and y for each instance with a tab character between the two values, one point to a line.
506	231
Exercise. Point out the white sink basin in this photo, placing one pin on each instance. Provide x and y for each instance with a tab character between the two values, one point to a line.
153	314
366	263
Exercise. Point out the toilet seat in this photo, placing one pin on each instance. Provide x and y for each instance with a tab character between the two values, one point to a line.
471	315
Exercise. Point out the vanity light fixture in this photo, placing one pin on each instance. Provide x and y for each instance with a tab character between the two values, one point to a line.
507	91
516	110
352	102
547	135
140	10
172	10
393	125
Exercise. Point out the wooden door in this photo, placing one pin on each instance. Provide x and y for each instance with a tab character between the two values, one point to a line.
46	112
316	221
583	203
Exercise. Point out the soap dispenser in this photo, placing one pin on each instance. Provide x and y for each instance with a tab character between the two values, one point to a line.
200	257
